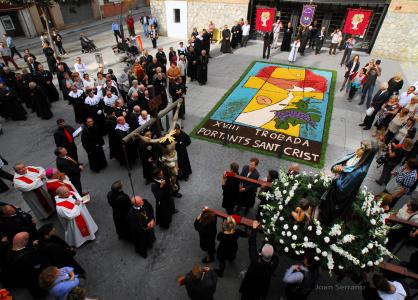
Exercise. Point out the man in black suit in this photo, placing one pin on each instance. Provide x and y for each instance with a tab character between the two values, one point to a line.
70	167
267	41
248	190
63	137
32	65
378	100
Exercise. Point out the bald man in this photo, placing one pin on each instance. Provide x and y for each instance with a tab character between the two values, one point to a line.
133	117
30	180
141	223
24	264
78	224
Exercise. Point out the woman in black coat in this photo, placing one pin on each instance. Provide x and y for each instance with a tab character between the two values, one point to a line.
56	251
230	187
350	68
228	246
205	224
287	38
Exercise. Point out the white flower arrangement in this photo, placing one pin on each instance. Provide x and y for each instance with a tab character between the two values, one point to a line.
348	238
364	243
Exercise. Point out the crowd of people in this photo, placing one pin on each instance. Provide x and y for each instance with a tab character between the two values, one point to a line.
104	104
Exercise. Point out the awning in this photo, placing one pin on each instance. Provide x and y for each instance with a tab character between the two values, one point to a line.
4	7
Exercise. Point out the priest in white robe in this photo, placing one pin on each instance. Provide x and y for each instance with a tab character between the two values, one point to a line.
78	224
31	182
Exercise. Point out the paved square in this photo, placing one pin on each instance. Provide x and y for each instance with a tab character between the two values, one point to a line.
114	270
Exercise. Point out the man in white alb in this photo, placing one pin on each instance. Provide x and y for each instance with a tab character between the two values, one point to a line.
78	224
31	182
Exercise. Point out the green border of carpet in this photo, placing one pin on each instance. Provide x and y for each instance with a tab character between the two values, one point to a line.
325	135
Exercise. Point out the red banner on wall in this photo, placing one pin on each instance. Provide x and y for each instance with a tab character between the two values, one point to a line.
264	19
357	21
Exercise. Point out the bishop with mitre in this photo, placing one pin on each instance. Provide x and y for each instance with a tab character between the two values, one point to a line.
78	224
31	182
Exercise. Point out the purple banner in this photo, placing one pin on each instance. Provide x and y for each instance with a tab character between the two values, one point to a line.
307	16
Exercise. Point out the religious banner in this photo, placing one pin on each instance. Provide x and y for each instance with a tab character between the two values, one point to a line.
307	16
265	19
357	21
275	109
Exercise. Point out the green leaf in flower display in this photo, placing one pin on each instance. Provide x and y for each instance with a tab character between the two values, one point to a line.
282	124
315	117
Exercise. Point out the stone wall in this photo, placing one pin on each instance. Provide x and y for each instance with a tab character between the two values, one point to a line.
398	34
200	13
158	10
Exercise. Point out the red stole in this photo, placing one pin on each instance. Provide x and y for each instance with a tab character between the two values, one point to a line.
41	198
68	136
34	170
25	179
79	220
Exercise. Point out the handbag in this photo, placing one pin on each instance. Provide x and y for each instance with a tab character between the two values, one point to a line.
370	111
392	187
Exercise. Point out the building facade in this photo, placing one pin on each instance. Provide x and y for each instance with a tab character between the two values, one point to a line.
19	20
330	14
386	34
398	35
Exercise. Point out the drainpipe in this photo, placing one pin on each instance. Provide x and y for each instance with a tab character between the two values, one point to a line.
379	25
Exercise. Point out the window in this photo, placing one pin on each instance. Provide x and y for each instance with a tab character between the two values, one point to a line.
176	15
7	23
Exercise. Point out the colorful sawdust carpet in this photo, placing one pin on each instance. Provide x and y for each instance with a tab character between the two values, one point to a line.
275	109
